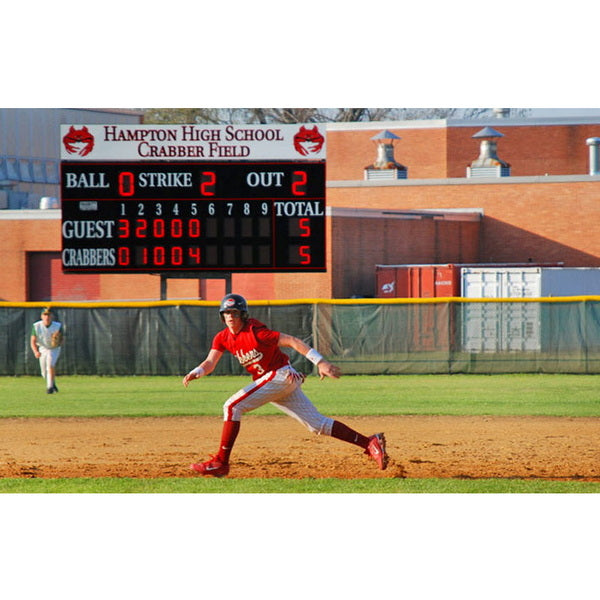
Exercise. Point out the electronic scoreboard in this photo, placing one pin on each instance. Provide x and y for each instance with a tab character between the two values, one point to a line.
162	199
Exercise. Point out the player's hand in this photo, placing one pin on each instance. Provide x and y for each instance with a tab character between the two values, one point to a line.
196	373
326	369
189	377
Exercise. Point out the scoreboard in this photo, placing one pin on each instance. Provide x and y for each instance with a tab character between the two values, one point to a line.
149	215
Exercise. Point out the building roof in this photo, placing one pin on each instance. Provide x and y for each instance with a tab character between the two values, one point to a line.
447	123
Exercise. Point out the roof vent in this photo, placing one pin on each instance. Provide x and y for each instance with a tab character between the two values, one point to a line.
488	164
385	165
501	113
594	143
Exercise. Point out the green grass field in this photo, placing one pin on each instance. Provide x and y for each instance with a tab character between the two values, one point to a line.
83	396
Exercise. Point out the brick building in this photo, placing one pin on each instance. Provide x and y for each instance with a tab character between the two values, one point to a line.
545	207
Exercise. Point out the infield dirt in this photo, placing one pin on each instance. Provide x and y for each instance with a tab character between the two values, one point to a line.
277	446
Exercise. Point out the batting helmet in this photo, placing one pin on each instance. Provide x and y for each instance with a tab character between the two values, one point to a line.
234	302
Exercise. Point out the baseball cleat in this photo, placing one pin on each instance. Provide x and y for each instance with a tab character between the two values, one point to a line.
376	450
213	467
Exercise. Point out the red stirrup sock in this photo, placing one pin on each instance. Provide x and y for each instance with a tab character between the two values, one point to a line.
344	433
228	436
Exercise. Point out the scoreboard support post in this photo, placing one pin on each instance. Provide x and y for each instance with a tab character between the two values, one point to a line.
208	275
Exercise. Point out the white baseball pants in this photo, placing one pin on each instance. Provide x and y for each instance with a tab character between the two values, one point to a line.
48	359
282	388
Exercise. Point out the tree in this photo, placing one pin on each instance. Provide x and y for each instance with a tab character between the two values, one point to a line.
265	116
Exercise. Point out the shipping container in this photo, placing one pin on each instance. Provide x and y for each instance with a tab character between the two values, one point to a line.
428	328
501	327
529	282
500	282
417	281
439	280
508	327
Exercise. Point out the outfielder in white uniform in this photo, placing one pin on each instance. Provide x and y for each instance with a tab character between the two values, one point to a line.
258	349
46	341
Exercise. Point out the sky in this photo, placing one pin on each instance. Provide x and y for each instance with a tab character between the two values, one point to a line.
459	54
566	112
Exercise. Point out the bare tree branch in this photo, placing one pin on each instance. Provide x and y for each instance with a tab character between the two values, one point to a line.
265	116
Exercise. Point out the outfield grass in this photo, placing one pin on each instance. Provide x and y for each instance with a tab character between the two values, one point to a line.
110	485
502	395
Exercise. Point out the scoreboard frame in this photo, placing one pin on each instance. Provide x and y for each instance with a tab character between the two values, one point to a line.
172	217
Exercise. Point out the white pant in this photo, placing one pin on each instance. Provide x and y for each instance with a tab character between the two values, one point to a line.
48	358
282	388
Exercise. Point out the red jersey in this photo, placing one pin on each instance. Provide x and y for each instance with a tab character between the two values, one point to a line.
255	346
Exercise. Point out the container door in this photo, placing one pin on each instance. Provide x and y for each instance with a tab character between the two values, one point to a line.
521	283
421	281
446	281
501	327
481	327
521	327
386	282
481	283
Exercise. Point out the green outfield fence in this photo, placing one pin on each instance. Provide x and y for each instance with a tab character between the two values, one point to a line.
365	336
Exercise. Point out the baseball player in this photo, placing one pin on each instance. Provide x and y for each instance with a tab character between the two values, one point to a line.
258	349
46	341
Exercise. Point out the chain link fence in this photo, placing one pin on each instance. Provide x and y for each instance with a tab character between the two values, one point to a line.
375	337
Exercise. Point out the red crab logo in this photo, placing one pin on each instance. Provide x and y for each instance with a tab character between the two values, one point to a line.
308	141
79	141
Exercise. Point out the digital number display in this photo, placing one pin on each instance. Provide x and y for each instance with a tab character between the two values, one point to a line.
174	216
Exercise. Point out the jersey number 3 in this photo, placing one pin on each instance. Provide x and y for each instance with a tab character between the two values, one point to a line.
258	369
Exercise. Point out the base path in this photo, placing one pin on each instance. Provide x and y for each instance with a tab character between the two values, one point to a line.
277	446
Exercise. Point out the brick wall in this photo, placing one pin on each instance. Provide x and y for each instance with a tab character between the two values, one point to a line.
441	152
537	221
422	151
360	243
17	237
530	151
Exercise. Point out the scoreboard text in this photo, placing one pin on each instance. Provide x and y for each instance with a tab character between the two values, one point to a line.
150	217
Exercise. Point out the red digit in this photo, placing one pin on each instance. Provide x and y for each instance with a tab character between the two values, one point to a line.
305	227
140	230
176	228
159	256
123	228
126	184
194	228
299	183
123	255
208	180
176	255
159	228
304	252
194	254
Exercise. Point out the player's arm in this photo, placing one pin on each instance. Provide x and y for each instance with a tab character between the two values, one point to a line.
205	367
325	368
34	346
